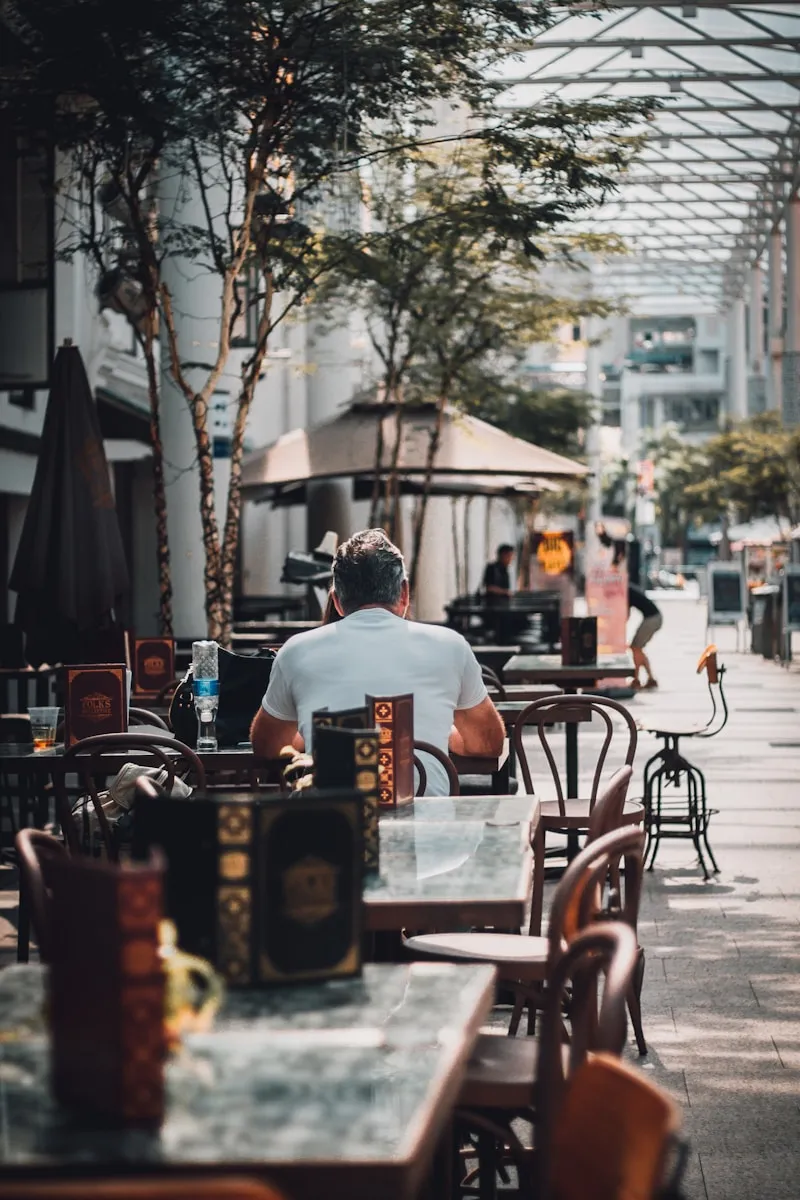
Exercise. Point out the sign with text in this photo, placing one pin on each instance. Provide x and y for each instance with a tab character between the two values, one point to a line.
726	594
607	599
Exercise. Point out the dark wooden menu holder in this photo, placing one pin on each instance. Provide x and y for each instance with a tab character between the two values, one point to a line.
348	759
269	889
107	989
578	641
94	701
153	665
393	717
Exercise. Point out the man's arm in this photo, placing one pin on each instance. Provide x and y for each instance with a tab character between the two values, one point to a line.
269	735
478	730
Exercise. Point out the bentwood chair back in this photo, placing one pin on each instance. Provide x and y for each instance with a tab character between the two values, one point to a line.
606	950
36	850
509	1079
200	1187
612	1137
90	760
549	711
143	716
606	815
443	759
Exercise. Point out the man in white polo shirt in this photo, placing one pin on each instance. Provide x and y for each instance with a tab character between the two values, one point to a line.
373	650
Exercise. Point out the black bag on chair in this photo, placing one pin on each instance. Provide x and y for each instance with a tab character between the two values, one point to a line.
243	680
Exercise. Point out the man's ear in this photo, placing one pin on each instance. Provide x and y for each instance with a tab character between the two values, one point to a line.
337	604
405	595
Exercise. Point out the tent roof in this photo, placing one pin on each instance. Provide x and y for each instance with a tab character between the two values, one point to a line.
347	446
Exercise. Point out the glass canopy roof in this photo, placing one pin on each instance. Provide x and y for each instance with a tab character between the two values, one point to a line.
722	155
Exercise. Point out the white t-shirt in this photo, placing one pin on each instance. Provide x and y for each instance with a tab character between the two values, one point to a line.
373	652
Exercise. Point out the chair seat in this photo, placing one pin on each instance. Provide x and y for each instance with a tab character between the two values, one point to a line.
672	731
513	954
501	1073
576	814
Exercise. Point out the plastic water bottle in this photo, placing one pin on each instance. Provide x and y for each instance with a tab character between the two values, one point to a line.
205	686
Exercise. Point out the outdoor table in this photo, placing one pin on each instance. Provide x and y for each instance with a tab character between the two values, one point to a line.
524	692
548	668
341	1089
268	633
450	862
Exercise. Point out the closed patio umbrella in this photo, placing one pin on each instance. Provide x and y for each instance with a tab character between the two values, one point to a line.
70	573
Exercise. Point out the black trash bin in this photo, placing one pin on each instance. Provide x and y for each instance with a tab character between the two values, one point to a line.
765	622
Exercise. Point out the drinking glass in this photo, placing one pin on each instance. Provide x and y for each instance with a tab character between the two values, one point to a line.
43	727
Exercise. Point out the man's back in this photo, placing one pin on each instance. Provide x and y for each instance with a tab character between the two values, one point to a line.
375	652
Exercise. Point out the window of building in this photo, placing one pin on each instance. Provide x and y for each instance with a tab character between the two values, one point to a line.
26	260
245	327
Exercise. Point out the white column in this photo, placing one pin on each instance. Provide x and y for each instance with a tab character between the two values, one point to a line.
790	399
793	275
775	301
330	385
737	359
594	386
756	320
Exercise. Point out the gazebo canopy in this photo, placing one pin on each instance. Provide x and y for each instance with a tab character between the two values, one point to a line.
472	456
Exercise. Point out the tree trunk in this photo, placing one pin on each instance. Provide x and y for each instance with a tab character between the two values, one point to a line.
233	512
419	523
165	626
208	517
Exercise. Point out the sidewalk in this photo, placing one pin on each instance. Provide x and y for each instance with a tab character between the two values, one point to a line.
721	1002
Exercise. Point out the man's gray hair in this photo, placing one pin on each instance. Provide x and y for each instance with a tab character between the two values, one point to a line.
368	569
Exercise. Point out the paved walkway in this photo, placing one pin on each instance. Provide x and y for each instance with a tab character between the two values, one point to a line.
722	988
721	998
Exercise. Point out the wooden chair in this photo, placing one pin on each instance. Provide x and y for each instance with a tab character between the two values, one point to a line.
443	759
143	716
493	682
89	759
567	813
198	1187
611	1137
35	850
517	1079
671	812
524	963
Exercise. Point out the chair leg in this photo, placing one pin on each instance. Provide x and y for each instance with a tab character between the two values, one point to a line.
659	780
694	820
705	820
516	1015
635	1003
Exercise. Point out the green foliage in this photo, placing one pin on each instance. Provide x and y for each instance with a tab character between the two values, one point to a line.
554	418
749	470
753	467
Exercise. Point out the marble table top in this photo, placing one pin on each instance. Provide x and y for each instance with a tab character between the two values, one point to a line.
548	668
453	862
331	1086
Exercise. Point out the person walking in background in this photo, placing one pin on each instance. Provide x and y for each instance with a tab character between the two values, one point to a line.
651	622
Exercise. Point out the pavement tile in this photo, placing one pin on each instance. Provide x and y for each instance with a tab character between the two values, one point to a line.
751	1176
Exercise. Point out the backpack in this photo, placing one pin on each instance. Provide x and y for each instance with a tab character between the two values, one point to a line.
243	680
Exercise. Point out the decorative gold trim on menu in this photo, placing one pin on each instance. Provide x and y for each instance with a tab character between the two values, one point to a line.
234	864
298	895
234	921
234	823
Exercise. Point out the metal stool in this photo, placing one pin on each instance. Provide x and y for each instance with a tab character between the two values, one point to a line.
674	788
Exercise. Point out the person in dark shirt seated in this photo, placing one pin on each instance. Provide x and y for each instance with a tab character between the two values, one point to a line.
496	579
652	621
